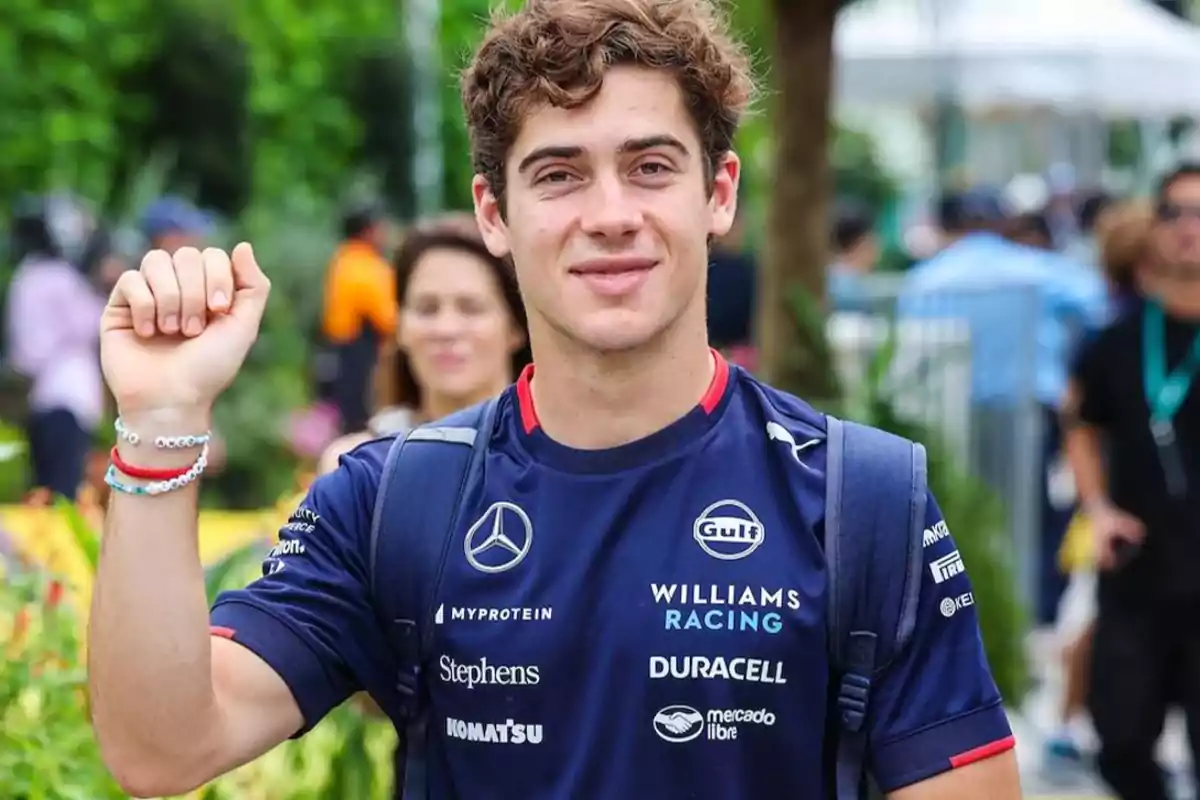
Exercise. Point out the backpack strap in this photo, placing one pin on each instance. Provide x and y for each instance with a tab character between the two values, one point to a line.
429	475
874	518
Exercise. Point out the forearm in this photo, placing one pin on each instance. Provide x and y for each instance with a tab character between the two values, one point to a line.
150	670
1087	464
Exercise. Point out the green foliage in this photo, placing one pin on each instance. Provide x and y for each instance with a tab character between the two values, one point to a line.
86	540
64	111
196	84
462	28
14	463
302	127
47	750
976	518
858	173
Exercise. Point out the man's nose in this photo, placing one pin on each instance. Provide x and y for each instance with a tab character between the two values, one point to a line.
611	209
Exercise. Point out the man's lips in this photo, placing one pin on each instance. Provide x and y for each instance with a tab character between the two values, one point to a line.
614	277
613	266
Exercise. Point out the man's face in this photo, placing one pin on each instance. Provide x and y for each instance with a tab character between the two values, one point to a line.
608	213
1177	232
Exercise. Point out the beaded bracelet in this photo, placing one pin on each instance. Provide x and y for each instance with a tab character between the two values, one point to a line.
111	477
163	442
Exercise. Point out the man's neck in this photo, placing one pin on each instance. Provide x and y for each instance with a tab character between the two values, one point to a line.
597	401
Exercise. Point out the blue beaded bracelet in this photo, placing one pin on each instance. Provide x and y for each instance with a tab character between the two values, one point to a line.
154	488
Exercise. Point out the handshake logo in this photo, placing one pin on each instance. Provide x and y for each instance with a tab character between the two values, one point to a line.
681	723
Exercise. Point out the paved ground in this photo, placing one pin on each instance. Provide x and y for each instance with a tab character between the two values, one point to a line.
1036	719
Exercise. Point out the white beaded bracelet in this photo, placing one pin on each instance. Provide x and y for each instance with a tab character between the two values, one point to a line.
163	442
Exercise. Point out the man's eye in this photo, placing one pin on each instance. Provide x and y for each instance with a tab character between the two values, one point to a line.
555	176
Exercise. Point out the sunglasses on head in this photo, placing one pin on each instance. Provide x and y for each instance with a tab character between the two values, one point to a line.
1172	212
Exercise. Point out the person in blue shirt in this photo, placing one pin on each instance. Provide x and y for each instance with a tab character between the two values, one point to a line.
635	606
1025	307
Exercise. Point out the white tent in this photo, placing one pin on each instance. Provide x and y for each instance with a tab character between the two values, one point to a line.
1111	57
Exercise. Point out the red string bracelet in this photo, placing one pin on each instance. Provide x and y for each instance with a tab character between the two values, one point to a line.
147	473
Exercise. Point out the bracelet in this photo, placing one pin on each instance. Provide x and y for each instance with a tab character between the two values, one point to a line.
157	487
145	473
163	442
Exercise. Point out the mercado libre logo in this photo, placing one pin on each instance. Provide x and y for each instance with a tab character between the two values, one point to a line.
680	723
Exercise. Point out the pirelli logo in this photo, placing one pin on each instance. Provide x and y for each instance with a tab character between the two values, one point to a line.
947	567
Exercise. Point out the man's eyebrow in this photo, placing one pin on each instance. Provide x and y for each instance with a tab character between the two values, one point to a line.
550	151
637	145
650	142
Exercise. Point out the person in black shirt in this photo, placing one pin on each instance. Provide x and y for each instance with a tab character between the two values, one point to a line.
1134	446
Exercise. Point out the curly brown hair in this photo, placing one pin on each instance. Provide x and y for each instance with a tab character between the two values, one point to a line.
557	52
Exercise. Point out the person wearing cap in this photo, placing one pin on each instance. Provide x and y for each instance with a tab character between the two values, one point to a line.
359	315
171	222
1021	303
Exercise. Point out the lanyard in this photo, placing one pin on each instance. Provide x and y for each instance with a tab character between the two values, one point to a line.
1164	393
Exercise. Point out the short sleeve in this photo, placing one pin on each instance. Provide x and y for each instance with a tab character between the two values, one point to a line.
1093	403
310	615
937	707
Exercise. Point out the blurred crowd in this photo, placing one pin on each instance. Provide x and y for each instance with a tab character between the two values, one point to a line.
1106	291
419	322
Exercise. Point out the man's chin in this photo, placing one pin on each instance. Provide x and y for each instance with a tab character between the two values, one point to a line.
616	331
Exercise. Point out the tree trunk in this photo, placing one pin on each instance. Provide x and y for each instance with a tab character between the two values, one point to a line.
793	351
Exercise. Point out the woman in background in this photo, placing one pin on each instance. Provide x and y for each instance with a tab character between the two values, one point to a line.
461	338
1123	234
461	335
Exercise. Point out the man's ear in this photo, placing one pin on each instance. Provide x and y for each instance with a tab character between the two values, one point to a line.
490	217
722	203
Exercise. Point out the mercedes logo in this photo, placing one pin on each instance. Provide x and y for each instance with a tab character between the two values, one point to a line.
500	539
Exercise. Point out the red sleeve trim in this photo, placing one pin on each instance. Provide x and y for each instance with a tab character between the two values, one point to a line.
224	633
984	752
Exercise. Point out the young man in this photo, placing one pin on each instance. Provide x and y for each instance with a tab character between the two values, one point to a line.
597	639
1134	443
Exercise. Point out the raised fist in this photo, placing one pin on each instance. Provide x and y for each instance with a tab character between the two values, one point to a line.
176	331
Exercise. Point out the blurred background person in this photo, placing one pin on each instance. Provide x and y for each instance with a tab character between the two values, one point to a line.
1134	447
856	251
461	333
358	318
1092	209
1020	302
1032	229
1124	241
52	320
171	222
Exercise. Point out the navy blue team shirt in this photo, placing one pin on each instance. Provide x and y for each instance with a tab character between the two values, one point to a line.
642	621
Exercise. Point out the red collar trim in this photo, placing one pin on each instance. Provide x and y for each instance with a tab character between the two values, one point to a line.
709	402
